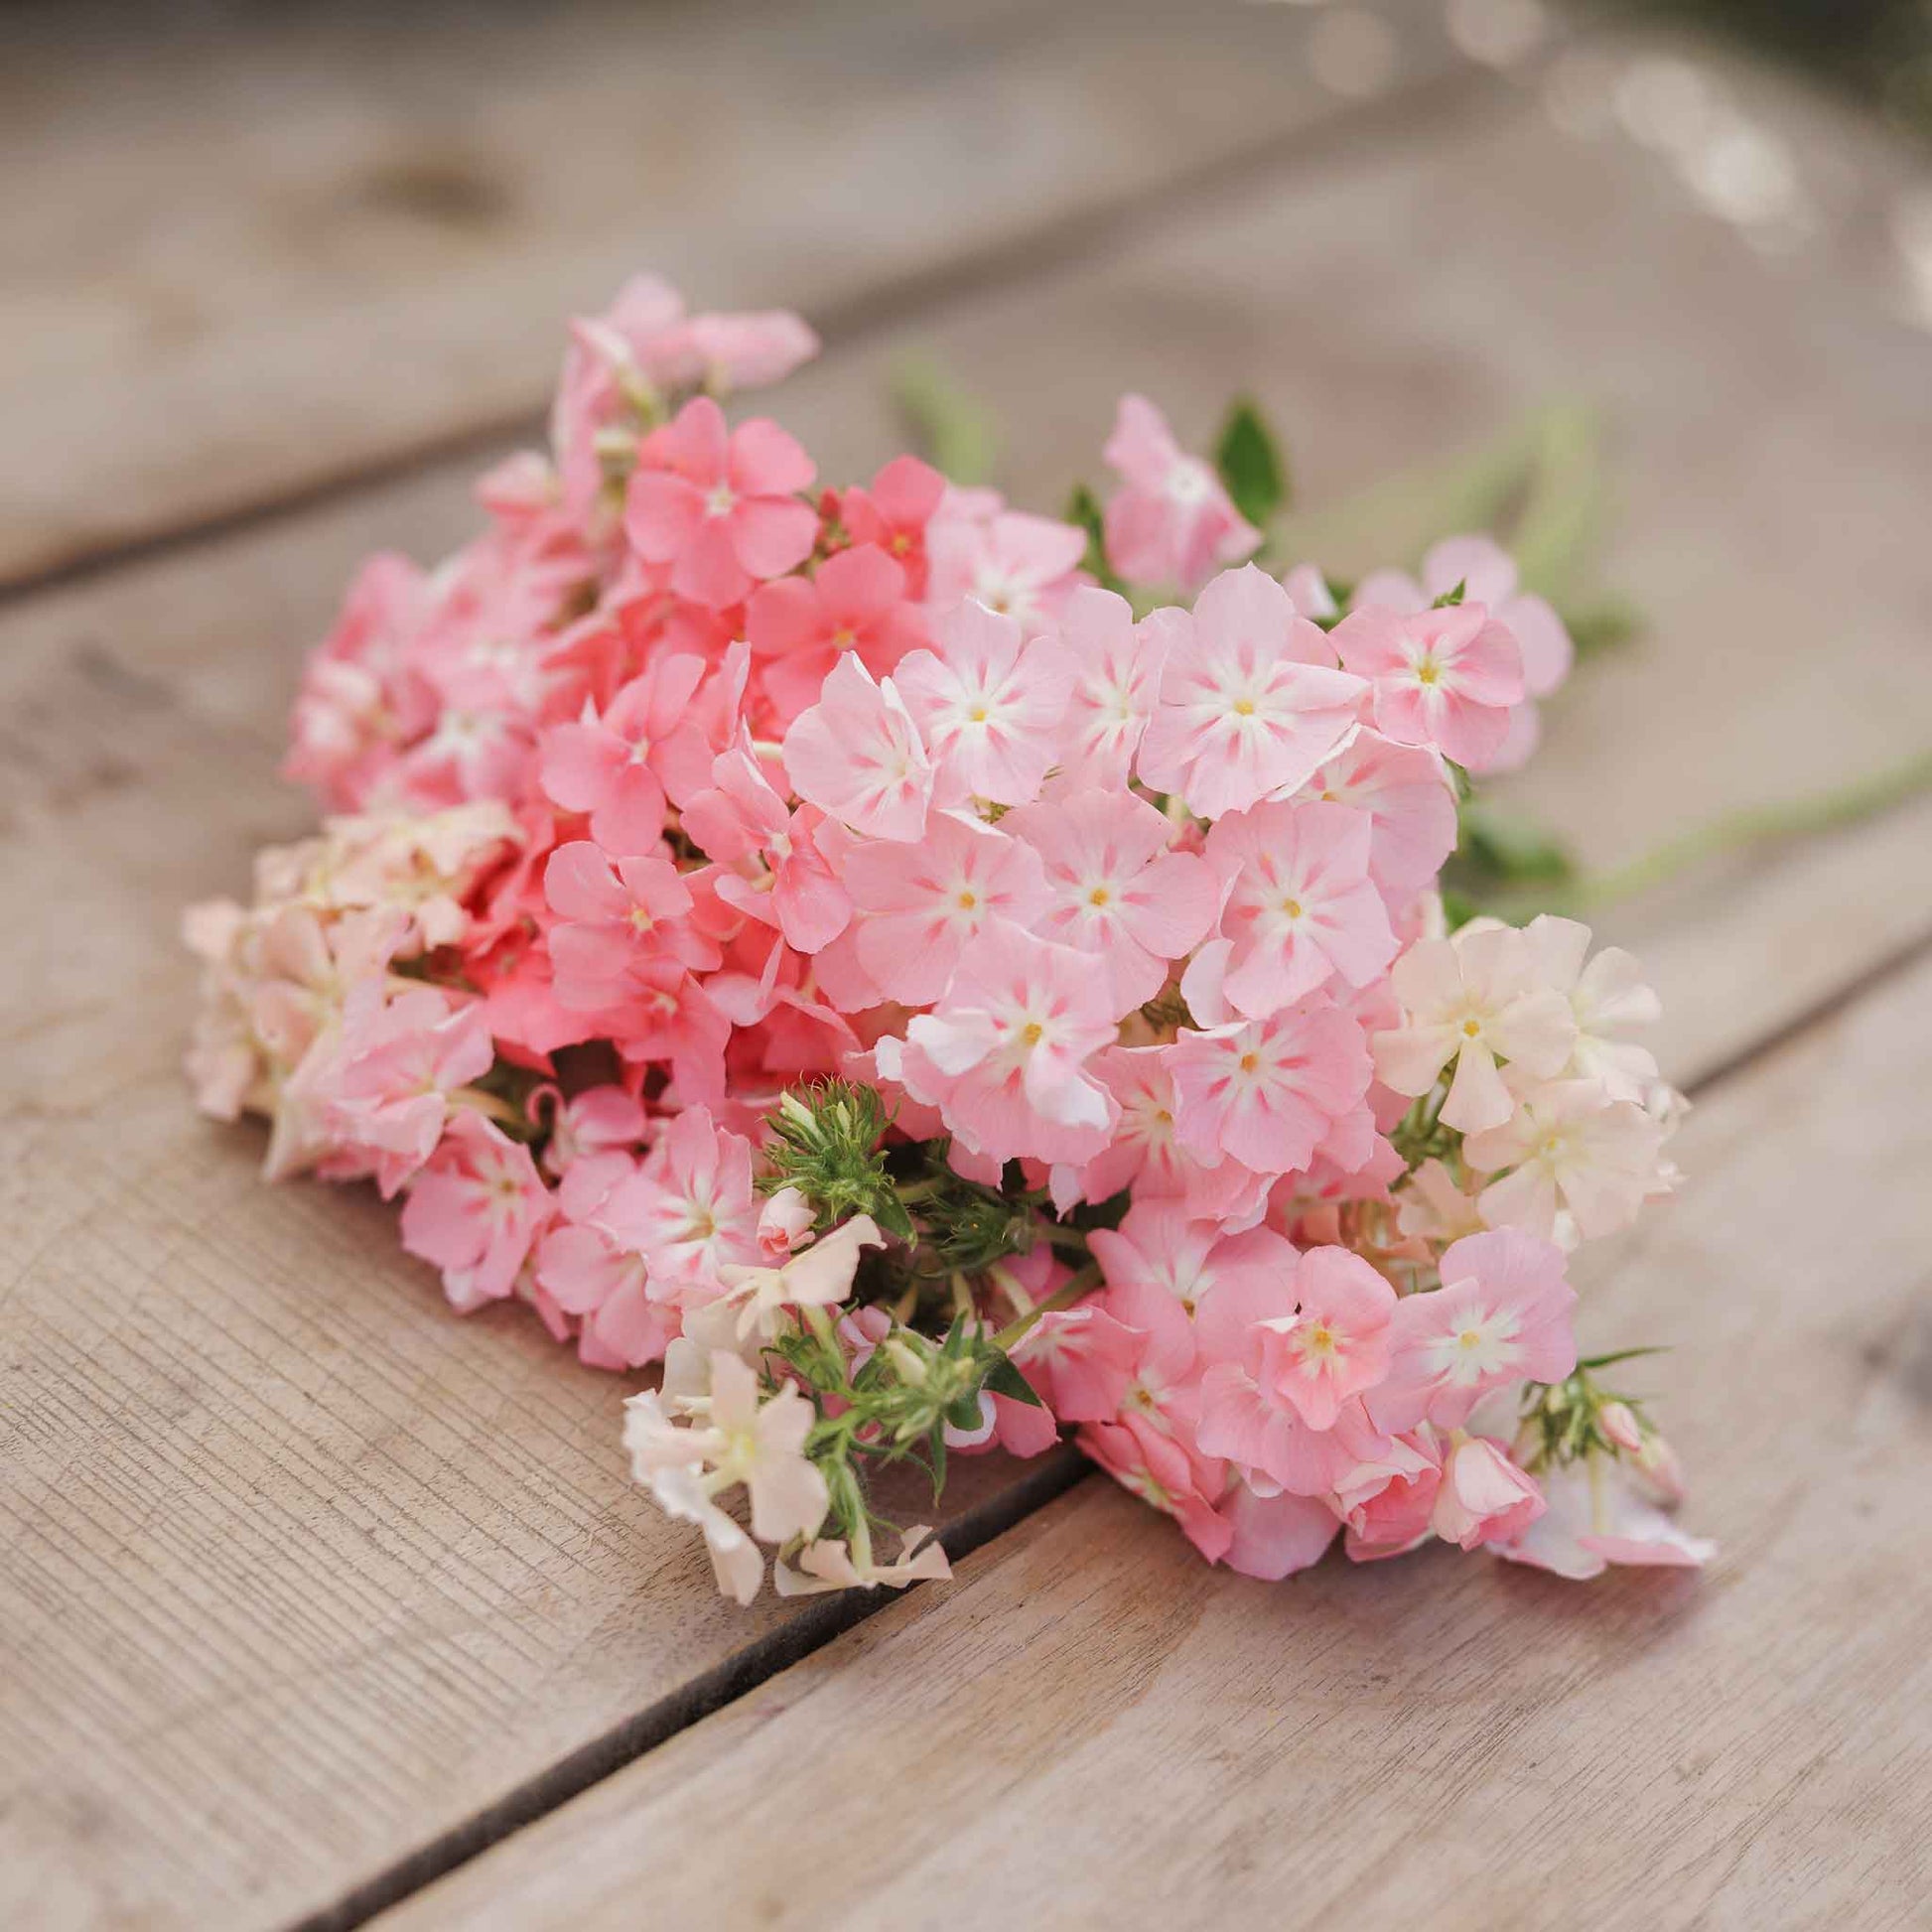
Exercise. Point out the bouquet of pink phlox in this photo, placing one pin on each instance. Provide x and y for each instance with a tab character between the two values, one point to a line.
934	976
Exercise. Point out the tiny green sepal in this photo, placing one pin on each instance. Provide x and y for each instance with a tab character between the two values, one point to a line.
1003	1378
1449	599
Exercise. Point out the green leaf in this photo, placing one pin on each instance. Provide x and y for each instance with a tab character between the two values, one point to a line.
1606	624
952	430
1451	598
1003	1378
1083	509
1251	465
1510	851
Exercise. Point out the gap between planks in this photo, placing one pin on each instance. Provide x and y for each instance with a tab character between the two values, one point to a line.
1065	240
792	1645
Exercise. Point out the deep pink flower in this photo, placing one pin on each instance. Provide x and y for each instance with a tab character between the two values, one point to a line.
1172	522
475	1210
689	1210
893	511
799	626
614	919
719	505
1251	702
1444	678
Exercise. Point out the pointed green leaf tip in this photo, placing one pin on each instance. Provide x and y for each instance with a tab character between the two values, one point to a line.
1251	464
1003	1378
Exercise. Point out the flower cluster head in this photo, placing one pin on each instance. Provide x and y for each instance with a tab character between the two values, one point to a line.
934	976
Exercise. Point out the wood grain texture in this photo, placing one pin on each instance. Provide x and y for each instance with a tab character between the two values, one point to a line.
246	260
302	1574
1092	1727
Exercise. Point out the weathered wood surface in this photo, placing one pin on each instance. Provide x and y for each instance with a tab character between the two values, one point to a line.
1089	1728
258	255
303	1576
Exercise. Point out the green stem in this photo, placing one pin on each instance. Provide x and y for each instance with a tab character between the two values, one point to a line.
1069	1291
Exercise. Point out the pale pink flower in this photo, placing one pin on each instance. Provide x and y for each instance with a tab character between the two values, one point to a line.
1113	670
1473	1000
1298	903
1597	1516
1117	887
1432	1205
690	1209
1251	702
720	506
1156	1244
475	1210
1608	995
1502	1314
1337	1343
857	755
1016	564
382	1084
1445	678
587	1275
784	1223
1483	1498
612	765
1268	1092
815	1276
1406	792
829	1565
988	712
1003	1054
799	627
920	906
1275	1535
1172	522
1567	1150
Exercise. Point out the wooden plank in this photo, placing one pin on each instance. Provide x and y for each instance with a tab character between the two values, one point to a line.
1091	1726
252	259
307	1575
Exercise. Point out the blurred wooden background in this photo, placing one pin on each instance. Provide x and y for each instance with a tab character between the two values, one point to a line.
318	1603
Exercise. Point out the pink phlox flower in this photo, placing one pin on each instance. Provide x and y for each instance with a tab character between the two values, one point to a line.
1388	1500
1273	1536
799	627
1118	889
689	1210
893	511
720	506
610	766
1483	1498
1173	521
591	1277
784	1224
598	1120
1158	1244
1568	1151
1163	1392
1473	1000
615	920
1335	1345
1309	588
792	883
1112	668
989	713
1146	1155
1016	564
1298	903
1504	1314
920	906
1251	702
382	1084
1598	1515
667	1014
1444	678
858	755
1268	1092
1158	1470
1406	792
1003	1054
475	1210
1081	1360
304	966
